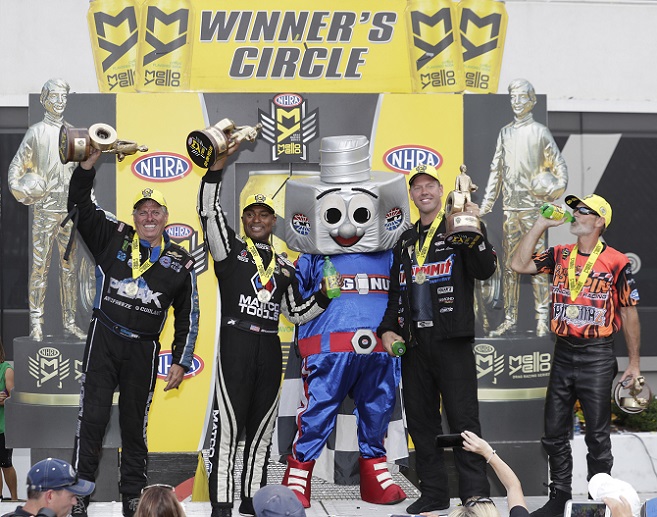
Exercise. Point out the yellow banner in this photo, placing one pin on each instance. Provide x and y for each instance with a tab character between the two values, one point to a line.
414	129
162	122
344	46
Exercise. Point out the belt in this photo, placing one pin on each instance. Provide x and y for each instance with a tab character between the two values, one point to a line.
423	324
122	331
248	326
363	341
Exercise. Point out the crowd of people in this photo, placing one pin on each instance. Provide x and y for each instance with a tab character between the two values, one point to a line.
429	308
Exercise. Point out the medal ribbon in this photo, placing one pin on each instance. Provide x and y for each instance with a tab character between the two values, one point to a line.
265	275
421	255
137	268
576	284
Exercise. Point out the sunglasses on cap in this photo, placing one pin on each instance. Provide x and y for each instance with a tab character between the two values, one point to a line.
585	210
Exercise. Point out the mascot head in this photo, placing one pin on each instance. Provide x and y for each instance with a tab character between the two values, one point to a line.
348	208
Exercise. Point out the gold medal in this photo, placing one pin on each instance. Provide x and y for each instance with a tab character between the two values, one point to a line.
572	311
420	277
264	296
131	289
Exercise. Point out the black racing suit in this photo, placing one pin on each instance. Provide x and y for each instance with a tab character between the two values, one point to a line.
123	341
436	319
250	359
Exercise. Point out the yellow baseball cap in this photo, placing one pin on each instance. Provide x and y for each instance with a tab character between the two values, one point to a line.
260	200
429	170
149	193
594	202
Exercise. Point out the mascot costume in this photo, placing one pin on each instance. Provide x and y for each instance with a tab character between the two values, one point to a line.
355	216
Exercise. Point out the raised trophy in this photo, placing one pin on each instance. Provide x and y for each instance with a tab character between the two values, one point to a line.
75	143
462	228
206	146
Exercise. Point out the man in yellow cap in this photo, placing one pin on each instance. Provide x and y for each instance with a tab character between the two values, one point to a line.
430	307
140	274
256	285
593	296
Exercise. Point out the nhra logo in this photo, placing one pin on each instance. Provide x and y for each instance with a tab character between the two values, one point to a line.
404	157
165	360
161	167
289	128
179	232
288	100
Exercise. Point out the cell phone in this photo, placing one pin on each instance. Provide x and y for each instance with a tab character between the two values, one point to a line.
586	509
449	440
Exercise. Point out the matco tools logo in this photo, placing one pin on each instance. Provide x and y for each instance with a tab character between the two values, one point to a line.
161	167
48	366
289	127
404	157
165	360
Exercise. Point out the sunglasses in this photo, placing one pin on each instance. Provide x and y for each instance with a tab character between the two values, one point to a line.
156	485
585	210
473	502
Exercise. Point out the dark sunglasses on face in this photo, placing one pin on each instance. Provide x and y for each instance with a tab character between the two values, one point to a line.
585	210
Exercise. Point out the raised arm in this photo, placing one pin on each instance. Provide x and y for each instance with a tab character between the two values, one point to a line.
522	261
512	485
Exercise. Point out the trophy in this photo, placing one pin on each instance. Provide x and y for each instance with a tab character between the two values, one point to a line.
75	143
633	395
463	228
206	146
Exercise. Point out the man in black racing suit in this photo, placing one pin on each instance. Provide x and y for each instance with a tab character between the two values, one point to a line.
256	285
430	304
134	293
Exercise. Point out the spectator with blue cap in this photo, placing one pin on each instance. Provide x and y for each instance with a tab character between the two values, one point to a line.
52	489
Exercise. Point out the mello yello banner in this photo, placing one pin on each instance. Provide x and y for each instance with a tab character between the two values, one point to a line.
421	46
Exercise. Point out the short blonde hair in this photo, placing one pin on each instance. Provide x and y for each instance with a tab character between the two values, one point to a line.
478	509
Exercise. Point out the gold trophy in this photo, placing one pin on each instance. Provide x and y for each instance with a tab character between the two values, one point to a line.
75	143
463	228
206	146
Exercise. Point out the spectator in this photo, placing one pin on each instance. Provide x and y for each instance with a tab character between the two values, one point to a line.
52	484
159	501
6	387
484	506
277	501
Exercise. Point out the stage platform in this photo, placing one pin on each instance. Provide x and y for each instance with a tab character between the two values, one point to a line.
319	508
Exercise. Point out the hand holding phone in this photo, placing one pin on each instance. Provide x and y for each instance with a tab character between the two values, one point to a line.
586	509
449	440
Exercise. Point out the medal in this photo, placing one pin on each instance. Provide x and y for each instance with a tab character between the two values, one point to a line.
572	311
131	289
264	296
420	277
